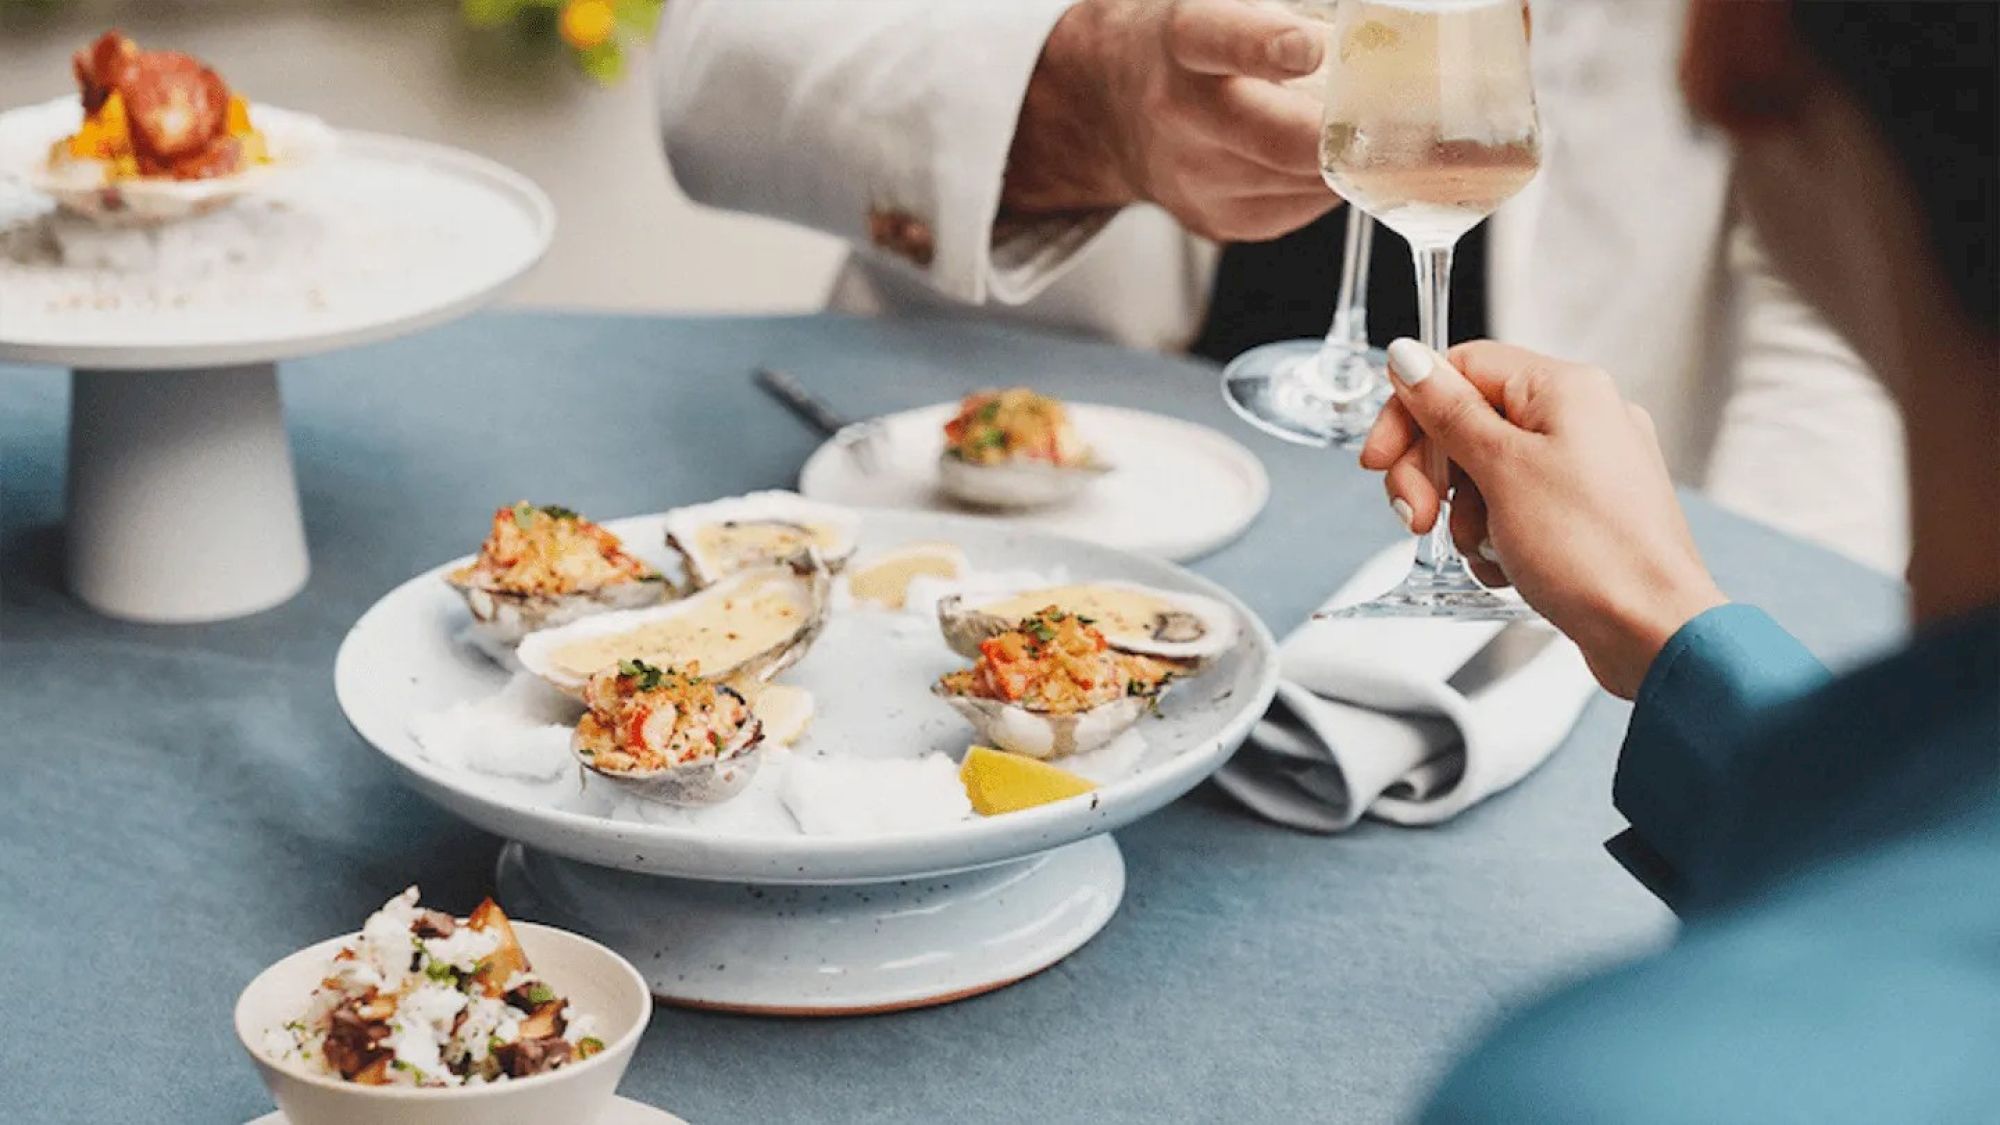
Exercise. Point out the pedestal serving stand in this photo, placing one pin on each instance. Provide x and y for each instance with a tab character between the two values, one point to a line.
830	949
753	913
181	501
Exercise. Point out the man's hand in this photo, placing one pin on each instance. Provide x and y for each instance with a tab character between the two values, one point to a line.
1177	104
1562	490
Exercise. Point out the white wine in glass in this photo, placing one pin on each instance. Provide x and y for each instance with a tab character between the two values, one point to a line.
1430	126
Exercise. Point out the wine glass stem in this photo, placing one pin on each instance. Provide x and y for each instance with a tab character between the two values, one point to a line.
1348	334
1435	551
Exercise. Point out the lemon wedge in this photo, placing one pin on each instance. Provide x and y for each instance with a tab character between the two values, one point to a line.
998	782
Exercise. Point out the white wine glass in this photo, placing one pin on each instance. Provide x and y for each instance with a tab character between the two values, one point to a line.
1431	125
1328	391
1324	392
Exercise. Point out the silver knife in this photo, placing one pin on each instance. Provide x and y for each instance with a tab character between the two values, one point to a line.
1507	652
861	440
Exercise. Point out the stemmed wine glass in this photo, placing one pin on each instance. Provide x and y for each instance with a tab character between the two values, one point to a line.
1318	392
1328	391
1430	125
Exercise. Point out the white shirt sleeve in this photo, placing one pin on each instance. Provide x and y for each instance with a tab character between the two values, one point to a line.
1809	440
883	122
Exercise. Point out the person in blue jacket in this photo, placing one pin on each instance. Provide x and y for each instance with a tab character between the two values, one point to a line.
1832	844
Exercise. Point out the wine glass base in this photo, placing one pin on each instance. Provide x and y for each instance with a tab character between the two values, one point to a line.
1281	389
1426	594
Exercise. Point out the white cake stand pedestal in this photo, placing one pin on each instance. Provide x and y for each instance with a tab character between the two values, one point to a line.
829	950
181	505
181	500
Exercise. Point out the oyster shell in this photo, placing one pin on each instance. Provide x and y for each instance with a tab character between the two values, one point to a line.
1188	629
532	547
501	618
689	784
1039	734
752	624
724	536
1019	483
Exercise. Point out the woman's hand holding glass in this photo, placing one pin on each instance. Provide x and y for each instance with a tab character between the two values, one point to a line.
1561	491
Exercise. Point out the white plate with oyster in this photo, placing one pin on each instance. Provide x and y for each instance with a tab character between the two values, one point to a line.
792	709
874	679
1123	478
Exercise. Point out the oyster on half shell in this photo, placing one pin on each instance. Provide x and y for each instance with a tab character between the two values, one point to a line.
1042	734
1014	448
752	624
669	737
721	537
1050	687
545	566
1018	483
1188	629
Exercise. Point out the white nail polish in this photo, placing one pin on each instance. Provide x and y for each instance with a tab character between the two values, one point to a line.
1487	552
1411	361
1405	513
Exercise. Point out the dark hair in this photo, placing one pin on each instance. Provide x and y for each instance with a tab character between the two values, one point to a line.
1929	74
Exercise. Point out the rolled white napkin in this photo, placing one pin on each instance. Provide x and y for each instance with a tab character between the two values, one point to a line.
1365	724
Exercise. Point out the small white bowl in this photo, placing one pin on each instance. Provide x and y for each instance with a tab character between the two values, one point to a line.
595	980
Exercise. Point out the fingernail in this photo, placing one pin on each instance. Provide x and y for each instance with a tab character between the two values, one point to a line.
1293	51
1412	362
1487	552
1405	513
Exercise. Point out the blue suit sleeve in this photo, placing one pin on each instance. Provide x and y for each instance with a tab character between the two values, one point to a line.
1692	722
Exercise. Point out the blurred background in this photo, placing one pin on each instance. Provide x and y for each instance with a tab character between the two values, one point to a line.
499	78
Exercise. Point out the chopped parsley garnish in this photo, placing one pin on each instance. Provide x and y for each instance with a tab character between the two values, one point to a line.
645	677
524	514
990	412
1039	629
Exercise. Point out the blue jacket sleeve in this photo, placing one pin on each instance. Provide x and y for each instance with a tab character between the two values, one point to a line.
1692	724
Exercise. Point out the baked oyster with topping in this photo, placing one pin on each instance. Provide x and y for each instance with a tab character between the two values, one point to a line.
1014	449
1188	629
667	734
544	566
752	624
721	537
1053	686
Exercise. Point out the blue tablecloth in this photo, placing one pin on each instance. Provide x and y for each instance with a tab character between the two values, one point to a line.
185	805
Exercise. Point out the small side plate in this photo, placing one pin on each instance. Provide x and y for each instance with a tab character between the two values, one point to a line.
1177	490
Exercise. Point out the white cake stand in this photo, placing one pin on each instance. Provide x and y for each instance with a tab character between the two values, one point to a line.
747	919
181	503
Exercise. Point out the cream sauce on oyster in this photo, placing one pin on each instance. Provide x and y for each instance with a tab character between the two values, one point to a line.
740	544
720	634
1117	611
